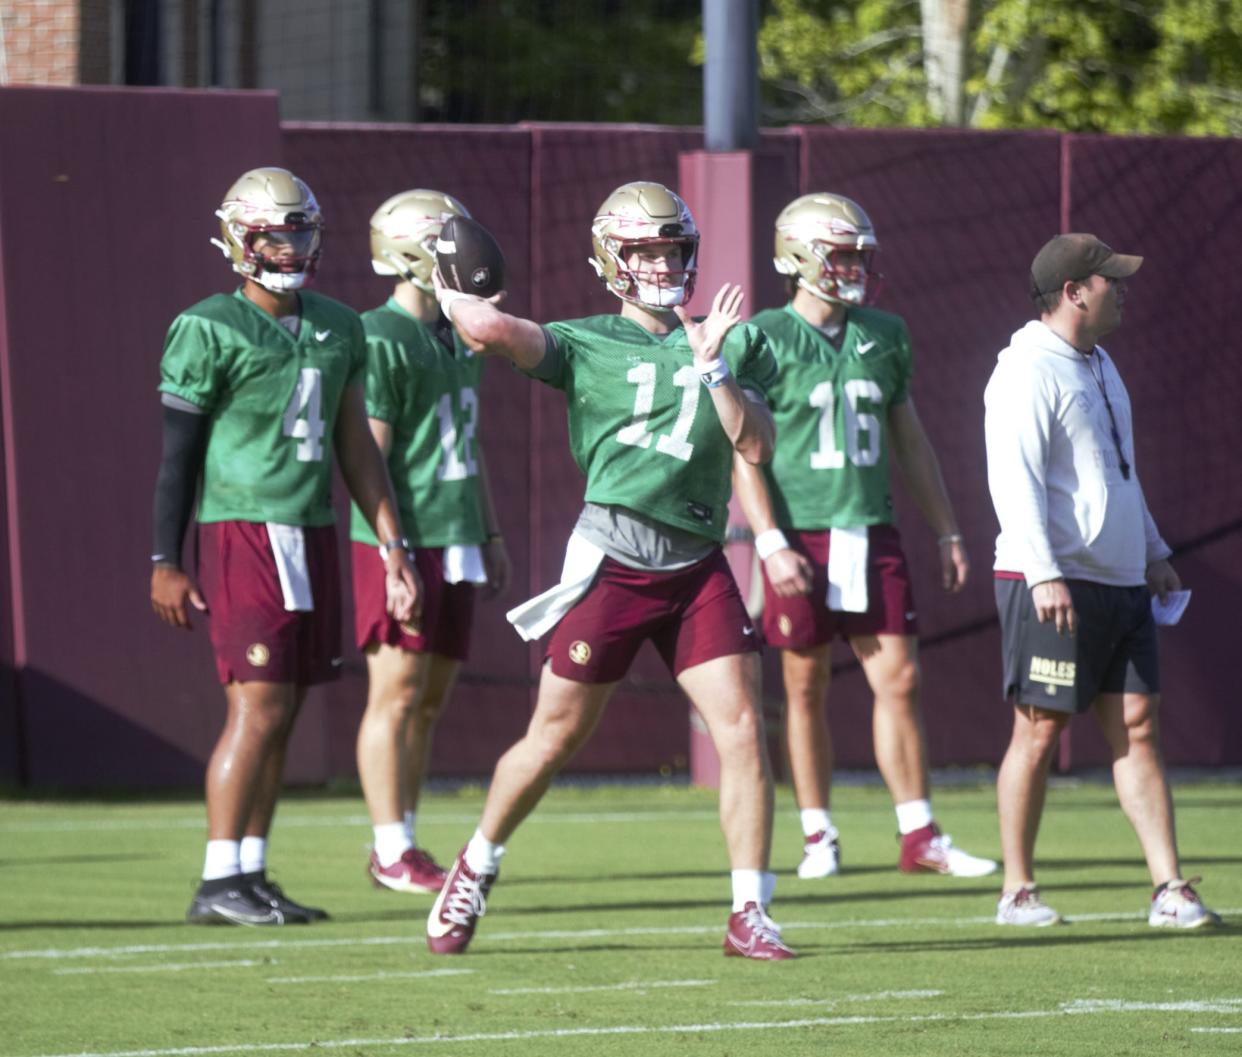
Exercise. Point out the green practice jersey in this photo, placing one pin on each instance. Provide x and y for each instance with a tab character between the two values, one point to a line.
831	408
429	395
272	399
643	427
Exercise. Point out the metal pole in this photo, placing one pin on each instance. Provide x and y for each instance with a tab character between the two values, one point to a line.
731	75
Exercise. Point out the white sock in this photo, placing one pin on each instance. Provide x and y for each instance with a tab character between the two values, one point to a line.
253	854
409	828
912	815
482	856
815	819
767	888
391	841
747	888
223	859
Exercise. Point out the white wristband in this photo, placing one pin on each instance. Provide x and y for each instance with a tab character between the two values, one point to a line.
769	541
713	374
448	298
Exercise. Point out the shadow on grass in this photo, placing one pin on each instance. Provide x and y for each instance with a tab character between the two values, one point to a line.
69	924
53	860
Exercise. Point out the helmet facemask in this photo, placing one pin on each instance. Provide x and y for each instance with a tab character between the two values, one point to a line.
284	256
847	283
650	286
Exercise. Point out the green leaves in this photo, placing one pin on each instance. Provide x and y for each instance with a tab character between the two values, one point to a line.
1150	66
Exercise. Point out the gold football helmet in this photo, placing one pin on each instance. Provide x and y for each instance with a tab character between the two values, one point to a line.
275	209
638	214
810	231
404	232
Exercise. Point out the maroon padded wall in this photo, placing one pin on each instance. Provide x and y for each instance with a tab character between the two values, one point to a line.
959	216
352	169
1176	202
103	239
102	198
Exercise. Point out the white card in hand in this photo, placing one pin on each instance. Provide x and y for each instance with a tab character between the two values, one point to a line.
1171	610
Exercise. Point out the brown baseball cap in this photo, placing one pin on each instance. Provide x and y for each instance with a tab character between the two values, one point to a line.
1073	257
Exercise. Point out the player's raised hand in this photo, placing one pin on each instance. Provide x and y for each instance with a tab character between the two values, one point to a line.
171	590
707	336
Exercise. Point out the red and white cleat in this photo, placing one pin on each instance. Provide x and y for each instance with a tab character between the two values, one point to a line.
415	871
927	850
457	909
752	934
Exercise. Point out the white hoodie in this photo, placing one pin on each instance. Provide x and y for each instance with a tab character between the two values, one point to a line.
1065	510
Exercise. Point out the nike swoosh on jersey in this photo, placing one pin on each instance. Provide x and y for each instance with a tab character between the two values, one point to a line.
321	335
865	348
748	631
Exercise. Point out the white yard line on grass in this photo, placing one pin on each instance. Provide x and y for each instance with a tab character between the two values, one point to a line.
619	1029
160	967
422	973
535	935
629	985
878	996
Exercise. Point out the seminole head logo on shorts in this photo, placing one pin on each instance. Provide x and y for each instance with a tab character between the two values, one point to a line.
785	625
258	655
579	652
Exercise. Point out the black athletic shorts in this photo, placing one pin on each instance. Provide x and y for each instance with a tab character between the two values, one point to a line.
1113	651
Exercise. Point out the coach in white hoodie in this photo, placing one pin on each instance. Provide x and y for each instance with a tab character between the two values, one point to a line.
1077	560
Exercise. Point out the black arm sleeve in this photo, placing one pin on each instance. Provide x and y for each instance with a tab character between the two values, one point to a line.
184	446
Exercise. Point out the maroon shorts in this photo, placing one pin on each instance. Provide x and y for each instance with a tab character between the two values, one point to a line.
804	621
691	616
448	609
255	638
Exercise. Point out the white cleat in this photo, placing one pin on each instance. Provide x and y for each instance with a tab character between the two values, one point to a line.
1176	905
821	855
1023	906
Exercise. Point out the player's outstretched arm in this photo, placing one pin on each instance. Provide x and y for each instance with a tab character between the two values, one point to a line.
487	330
916	457
366	478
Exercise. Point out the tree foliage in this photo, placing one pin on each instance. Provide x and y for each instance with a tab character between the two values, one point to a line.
1151	66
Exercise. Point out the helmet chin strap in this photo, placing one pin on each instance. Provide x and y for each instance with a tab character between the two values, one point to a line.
665	297
852	294
280	282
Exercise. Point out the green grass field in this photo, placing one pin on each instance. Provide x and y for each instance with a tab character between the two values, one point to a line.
603	937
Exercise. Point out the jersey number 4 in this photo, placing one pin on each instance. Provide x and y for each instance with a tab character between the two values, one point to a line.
637	432
304	415
828	456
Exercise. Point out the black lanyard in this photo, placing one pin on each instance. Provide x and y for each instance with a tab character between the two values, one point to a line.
1112	419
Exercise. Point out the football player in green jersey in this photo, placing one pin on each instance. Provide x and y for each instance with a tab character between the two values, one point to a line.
258	388
823	522
423	389
658	403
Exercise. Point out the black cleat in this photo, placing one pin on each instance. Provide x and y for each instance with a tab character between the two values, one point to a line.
272	895
231	902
